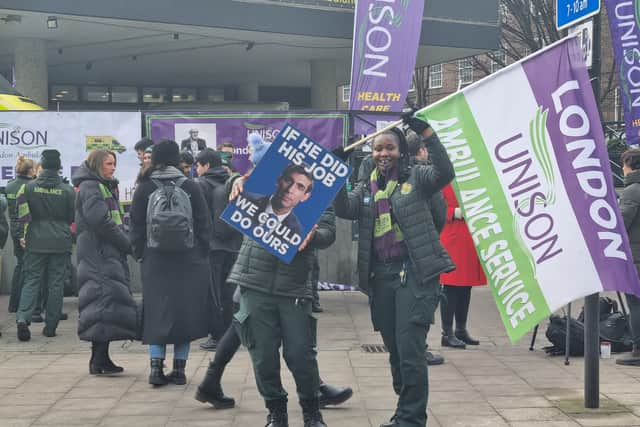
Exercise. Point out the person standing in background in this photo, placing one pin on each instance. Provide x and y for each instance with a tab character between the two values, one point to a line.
630	210
141	146
107	309
175	281
25	172
45	210
224	242
457	284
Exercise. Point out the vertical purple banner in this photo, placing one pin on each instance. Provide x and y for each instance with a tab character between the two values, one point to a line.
327	128
561	85
385	45
624	23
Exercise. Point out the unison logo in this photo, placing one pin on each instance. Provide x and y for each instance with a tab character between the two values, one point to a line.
25	138
266	132
375	36
627	14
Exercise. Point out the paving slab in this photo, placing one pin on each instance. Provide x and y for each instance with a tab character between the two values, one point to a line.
45	382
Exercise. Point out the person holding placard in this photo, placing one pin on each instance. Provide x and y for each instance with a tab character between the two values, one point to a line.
275	310
400	257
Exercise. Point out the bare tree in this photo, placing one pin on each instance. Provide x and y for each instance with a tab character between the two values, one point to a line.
527	26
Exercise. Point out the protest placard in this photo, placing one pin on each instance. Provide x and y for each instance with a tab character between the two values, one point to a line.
287	192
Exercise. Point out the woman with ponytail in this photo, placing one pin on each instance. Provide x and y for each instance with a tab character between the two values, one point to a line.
25	172
107	310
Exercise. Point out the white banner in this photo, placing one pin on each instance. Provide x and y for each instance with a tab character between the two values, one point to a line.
74	134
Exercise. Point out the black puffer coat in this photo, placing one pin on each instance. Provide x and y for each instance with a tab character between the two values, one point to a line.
410	204
630	210
175	285
258	269
107	309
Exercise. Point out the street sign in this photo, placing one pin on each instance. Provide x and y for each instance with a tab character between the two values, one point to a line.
584	33
570	12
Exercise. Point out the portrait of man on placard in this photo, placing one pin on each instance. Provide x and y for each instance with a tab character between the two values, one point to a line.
294	185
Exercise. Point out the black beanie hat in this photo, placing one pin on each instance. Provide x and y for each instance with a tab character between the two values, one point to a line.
50	159
165	152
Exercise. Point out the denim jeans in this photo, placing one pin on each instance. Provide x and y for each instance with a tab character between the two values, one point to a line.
159	351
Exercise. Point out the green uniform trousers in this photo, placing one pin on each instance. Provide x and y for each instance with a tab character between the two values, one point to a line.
265	322
402	310
18	277
35	267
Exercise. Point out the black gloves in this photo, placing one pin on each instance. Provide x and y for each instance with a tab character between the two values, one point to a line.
414	123
341	154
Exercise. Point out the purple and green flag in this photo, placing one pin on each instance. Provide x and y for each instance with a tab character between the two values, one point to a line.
624	23
535	187
385	44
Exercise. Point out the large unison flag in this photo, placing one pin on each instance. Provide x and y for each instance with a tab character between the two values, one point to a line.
533	179
624	23
385	43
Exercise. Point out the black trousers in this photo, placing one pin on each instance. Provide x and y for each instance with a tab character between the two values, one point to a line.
221	263
455	304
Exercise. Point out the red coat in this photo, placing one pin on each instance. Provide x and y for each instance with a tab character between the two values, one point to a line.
456	239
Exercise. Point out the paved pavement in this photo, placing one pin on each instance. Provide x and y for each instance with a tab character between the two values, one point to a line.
45	382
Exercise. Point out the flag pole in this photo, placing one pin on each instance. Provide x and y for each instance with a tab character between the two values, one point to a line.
591	302
373	135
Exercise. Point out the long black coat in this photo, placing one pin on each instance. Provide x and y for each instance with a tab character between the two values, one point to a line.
107	308
175	285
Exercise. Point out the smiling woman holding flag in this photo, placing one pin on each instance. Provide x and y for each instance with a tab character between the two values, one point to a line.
400	257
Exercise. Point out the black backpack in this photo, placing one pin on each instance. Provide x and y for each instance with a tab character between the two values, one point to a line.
614	328
557	333
169	217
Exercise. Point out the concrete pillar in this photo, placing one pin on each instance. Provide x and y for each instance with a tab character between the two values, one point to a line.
248	92
324	86
31	74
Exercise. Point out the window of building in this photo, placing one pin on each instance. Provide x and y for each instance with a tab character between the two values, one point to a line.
465	71
183	95
214	95
95	93
435	76
64	93
412	85
124	94
154	94
500	60
346	93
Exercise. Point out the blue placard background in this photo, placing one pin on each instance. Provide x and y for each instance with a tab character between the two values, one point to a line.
570	12
290	146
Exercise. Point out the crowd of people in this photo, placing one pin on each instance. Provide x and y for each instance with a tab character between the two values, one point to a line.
202	280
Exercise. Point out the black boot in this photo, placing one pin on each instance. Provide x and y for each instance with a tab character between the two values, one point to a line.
210	389
24	334
100	364
311	413
330	395
463	335
156	375
277	413
177	376
433	359
450	340
632	359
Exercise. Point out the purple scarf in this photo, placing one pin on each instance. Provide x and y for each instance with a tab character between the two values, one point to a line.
388	241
